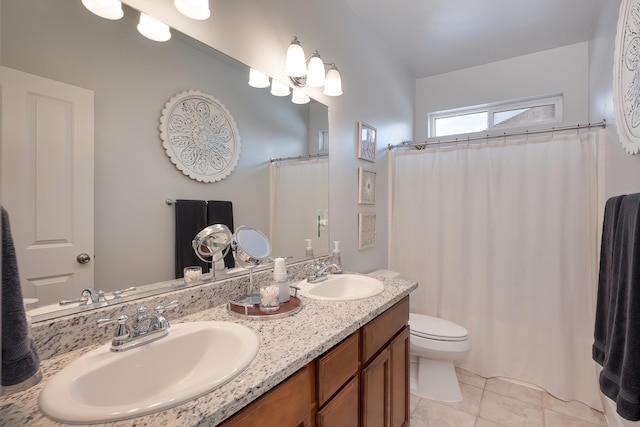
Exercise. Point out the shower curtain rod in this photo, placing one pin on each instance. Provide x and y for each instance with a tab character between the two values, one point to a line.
421	145
310	156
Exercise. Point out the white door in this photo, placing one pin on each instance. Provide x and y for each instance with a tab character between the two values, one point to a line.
47	182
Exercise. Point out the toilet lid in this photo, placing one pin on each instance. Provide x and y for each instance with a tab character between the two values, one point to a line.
435	328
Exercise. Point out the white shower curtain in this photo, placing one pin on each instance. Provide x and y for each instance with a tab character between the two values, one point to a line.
303	185
502	238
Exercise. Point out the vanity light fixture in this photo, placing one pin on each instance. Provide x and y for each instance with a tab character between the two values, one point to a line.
108	9
312	74
153	29
194	9
258	79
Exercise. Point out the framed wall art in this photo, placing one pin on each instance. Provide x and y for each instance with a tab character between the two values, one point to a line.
366	187
366	142
366	230
200	136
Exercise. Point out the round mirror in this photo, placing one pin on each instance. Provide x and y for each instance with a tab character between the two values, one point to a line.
212	243
251	247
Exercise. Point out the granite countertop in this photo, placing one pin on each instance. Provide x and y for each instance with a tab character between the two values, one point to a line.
286	345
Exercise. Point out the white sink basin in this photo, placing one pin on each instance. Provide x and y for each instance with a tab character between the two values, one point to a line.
341	287
192	360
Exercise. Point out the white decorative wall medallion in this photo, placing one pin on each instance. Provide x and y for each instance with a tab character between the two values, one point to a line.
626	75
200	136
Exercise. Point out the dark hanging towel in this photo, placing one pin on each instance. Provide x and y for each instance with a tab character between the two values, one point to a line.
617	329
191	217
221	212
20	360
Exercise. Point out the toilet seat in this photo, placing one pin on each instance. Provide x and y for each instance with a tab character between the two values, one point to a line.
433	328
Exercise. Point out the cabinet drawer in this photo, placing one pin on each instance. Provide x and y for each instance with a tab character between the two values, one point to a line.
379	331
286	405
342	411
336	368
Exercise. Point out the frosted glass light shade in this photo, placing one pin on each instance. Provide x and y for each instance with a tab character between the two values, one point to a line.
299	97
279	89
315	74
258	79
295	62
153	29
194	9
333	83
108	9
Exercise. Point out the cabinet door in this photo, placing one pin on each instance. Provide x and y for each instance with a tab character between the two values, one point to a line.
375	394
287	405
342	410
400	379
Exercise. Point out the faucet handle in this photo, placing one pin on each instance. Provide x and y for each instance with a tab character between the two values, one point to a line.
118	293
122	320
122	331
161	308
163	323
71	301
101	296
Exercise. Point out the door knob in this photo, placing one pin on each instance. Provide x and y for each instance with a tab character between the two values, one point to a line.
83	258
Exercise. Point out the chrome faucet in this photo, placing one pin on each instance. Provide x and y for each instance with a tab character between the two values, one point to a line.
88	296
145	329
318	272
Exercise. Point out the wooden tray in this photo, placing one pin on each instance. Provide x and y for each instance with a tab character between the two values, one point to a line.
252	311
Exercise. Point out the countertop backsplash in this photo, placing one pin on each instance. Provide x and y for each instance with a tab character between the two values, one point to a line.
63	334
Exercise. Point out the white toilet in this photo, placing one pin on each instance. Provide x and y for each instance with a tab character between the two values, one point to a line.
435	345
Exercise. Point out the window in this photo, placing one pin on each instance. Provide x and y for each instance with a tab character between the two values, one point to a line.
505	115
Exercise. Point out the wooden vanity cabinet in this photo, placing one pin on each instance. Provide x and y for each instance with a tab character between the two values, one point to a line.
361	382
338	384
384	393
287	405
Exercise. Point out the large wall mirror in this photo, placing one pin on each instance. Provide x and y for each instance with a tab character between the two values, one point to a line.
132	78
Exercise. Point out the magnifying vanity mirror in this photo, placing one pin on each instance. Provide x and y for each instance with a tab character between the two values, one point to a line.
212	244
131	79
250	248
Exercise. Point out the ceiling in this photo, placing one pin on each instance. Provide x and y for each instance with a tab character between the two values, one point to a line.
438	36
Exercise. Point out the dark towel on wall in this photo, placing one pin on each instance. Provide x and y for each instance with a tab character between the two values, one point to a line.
617	330
19	355
191	217
221	212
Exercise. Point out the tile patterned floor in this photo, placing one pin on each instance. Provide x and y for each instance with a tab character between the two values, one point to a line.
497	403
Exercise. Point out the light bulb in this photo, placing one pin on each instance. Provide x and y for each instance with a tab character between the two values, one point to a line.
108	9
194	9
333	82
258	79
315	74
295	62
299	97
279	89
153	29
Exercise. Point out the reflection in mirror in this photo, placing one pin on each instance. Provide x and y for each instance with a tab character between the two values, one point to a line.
131	79
211	245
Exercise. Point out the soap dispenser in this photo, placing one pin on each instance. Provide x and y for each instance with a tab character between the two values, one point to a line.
281	280
309	251
336	256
